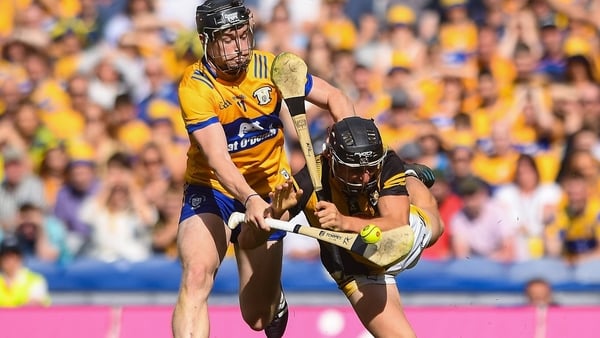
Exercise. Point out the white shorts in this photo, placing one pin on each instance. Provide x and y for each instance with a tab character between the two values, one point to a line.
418	223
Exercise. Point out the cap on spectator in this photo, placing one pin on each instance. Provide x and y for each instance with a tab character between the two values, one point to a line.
12	154
410	152
400	99
161	111
470	185
575	45
400	15
400	62
71	26
81	153
453	3
10	244
549	21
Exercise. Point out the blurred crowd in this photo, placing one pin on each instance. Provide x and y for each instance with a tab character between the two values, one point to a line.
500	97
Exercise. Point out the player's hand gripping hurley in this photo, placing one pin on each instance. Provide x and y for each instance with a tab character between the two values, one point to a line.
289	75
393	246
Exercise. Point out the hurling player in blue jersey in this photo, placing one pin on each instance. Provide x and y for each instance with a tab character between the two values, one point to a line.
231	110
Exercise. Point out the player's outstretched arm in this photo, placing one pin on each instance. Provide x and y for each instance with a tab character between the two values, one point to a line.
421	197
330	98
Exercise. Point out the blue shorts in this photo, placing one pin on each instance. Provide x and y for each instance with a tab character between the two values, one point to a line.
200	199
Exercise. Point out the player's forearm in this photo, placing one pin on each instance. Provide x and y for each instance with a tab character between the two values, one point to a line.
213	143
327	97
231	179
340	105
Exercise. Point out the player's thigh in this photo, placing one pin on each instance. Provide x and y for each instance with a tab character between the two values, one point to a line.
202	242
260	271
379	308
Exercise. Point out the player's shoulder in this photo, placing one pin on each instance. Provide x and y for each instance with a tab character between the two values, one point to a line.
260	65
392	171
196	76
392	160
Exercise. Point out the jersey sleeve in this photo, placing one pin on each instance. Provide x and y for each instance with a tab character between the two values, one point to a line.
393	178
198	107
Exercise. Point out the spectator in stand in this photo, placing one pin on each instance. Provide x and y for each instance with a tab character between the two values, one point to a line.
539	293
164	233
492	108
553	61
500	67
19	286
398	125
20	185
480	228
319	56
337	26
160	86
584	162
573	230
461	165
449	204
41	236
590	102
81	182
124	21
527	202
50	99
430	142
166	131
119	216
151	173
52	172
77	87
97	133
11	94
33	136
497	165
368	101
580	72
279	35
69	37
131	132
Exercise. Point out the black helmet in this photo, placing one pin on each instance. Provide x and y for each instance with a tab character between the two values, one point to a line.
356	149
214	15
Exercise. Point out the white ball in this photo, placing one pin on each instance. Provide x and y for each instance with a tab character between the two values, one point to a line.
331	323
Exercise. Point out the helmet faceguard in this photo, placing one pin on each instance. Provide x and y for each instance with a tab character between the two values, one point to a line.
357	154
228	34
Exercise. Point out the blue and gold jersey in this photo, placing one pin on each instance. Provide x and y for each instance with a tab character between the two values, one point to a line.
579	233
248	110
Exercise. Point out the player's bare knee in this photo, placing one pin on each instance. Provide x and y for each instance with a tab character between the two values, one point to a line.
196	278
